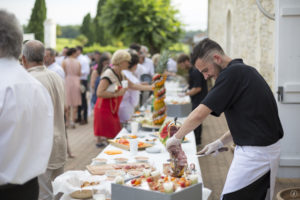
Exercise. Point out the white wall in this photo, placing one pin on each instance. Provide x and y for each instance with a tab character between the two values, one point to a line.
250	34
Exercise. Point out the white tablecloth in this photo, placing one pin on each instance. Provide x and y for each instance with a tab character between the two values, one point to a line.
156	159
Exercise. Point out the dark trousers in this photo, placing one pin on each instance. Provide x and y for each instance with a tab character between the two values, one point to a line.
83	108
256	190
27	191
198	130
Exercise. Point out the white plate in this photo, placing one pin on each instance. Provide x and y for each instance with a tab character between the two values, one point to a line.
153	150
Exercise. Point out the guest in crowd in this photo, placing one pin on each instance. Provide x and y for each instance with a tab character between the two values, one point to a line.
110	93
26	119
131	97
63	55
139	70
85	71
33	58
51	64
49	61
155	59
147	63
95	77
144	70
72	70
197	88
96	58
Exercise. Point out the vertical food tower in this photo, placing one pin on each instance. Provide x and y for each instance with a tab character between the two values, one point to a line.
159	79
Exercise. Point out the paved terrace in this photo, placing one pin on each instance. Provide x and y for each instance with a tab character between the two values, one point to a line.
214	169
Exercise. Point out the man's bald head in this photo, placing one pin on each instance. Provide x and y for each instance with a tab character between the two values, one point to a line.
34	51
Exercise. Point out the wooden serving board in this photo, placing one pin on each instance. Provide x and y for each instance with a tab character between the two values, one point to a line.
125	147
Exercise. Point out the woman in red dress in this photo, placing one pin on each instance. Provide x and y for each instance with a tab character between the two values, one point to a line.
110	92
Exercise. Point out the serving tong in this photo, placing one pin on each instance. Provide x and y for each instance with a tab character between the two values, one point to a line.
222	149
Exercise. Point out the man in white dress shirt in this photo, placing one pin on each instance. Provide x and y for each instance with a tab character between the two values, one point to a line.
49	61
26	119
85	71
147	63
33	57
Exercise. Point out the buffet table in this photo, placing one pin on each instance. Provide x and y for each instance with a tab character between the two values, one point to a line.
156	159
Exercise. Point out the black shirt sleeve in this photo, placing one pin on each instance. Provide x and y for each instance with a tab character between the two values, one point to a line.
225	91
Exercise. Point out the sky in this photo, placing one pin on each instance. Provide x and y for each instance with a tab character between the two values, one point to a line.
193	13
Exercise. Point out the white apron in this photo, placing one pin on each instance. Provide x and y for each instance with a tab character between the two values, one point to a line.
249	164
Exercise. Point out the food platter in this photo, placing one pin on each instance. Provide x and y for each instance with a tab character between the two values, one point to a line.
151	127
125	146
101	170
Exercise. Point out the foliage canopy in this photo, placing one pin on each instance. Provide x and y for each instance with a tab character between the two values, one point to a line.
149	22
87	28
37	18
101	34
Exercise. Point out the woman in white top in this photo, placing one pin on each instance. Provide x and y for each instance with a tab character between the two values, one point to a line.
131	97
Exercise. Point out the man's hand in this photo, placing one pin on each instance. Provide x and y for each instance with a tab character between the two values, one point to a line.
212	147
173	141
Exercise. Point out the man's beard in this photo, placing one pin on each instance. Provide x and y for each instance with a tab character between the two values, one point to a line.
218	69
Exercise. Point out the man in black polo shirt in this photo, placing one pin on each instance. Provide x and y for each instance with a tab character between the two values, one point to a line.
252	116
197	88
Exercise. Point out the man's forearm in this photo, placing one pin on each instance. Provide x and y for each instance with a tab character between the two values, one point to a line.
226	138
193	91
193	120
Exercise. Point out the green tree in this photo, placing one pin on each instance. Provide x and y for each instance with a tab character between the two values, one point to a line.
37	18
87	29
149	22
101	35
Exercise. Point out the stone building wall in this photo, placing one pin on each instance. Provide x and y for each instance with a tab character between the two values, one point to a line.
244	32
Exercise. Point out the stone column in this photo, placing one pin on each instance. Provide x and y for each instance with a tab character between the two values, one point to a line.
50	33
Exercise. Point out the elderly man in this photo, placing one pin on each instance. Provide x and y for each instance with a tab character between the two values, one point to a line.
50	63
33	57
147	63
85	71
252	116
26	119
